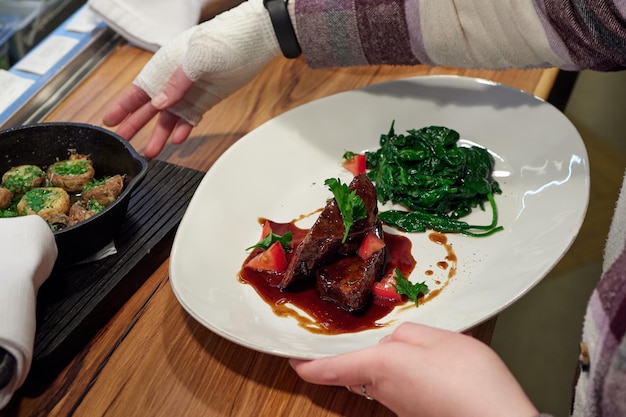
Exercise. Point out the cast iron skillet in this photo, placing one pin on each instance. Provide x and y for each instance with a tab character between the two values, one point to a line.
44	143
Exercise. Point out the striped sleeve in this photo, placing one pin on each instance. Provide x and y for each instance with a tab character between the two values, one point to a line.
570	34
600	387
592	33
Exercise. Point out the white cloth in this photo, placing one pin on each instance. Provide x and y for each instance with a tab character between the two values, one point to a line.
219	56
27	255
148	24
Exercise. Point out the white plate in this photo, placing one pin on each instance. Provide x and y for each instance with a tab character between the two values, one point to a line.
277	171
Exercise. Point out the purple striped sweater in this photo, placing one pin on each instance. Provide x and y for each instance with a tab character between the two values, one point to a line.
569	34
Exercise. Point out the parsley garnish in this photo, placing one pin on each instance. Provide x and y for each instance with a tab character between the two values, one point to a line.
266	242
348	155
350	205
93	205
405	287
95	183
71	167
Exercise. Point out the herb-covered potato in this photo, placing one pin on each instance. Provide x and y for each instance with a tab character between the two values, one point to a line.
71	174
82	210
59	221
22	178
6	197
45	202
105	191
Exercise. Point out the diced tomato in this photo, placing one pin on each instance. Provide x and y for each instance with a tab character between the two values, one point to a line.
370	245
385	288
356	165
267	229
272	260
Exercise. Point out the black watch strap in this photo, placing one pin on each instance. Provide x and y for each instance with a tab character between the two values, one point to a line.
283	28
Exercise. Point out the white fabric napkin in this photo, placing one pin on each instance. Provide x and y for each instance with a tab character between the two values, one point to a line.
27	255
148	24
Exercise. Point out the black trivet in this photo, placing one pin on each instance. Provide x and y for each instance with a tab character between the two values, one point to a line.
76	301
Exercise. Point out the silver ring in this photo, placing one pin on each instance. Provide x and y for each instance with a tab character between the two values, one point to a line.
365	394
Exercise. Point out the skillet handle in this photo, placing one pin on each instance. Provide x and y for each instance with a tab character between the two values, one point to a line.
8	364
141	169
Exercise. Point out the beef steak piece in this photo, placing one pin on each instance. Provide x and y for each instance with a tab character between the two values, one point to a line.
322	244
348	281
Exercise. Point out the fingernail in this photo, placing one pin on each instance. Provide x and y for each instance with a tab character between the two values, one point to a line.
159	100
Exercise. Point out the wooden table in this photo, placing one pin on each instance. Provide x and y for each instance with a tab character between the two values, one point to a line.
152	358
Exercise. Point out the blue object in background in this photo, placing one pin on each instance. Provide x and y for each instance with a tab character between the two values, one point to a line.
9	24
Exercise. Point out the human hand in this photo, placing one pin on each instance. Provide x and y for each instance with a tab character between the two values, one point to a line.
134	109
423	371
193	72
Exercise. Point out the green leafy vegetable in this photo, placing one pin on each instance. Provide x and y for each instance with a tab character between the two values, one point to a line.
350	204
266	242
405	287
438	181
418	221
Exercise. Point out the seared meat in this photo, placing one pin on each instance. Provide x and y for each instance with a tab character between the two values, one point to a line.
348	281
322	244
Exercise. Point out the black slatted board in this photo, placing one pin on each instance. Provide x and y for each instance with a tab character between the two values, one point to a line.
76	301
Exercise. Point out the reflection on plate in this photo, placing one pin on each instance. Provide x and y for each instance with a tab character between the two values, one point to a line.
278	170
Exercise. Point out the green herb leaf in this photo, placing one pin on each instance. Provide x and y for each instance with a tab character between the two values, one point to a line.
351	206
348	155
93	205
71	167
266	242
405	287
95	183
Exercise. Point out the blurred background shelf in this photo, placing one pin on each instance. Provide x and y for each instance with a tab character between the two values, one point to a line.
24	23
49	48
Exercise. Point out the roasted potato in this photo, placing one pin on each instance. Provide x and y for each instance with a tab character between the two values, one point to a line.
22	178
104	192
59	221
82	210
71	174
6	197
45	202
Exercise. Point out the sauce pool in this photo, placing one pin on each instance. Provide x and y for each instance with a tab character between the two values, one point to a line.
316	315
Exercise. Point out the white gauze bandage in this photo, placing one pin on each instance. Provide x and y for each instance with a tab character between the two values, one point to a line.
219	56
